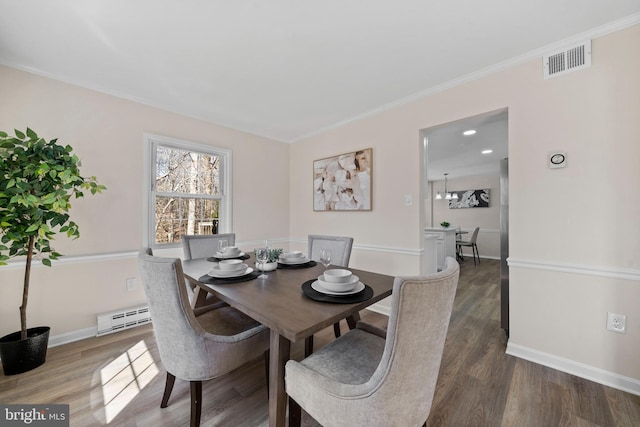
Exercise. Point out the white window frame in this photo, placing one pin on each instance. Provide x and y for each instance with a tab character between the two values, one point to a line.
224	211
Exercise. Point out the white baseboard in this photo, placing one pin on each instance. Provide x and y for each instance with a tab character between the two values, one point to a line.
69	337
600	376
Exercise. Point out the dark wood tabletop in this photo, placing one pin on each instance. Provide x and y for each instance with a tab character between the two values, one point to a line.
279	303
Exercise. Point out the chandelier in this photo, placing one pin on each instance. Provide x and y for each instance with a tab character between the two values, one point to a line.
447	195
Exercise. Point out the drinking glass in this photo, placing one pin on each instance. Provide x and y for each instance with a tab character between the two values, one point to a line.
262	256
221	245
325	257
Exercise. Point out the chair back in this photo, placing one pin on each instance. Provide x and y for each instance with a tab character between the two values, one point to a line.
416	332
204	246
474	235
178	334
339	246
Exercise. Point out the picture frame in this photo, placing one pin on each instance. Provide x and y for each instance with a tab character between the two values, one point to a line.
470	199
343	182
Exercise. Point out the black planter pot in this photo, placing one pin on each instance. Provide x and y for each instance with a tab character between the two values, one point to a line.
20	356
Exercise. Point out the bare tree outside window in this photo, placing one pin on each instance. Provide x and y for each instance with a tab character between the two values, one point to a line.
187	193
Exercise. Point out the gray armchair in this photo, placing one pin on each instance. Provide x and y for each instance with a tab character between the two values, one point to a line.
195	348
363	379
203	246
340	248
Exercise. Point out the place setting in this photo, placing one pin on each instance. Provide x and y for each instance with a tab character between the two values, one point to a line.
229	271
295	259
226	252
337	285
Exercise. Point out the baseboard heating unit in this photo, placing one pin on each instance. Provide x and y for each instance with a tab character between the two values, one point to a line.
123	319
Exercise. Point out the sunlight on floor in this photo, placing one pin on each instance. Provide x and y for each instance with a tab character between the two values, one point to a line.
125	377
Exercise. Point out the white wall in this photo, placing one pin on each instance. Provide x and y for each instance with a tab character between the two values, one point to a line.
107	134
574	255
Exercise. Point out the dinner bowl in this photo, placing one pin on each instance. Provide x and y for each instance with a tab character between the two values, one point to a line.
337	275
292	254
230	264
339	287
230	250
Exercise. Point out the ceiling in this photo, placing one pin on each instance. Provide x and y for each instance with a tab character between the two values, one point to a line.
286	69
450	151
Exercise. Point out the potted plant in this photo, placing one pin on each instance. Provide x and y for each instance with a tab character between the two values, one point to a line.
37	180
272	261
444	224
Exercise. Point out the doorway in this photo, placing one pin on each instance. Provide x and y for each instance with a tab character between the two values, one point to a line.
473	153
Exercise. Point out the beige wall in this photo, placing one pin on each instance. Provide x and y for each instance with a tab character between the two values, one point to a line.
574	250
107	134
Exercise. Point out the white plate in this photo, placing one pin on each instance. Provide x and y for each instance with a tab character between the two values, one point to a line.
229	274
291	261
224	256
318	287
353	279
241	267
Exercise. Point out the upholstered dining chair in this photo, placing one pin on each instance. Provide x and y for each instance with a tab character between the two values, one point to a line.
340	247
195	348
369	377
204	246
470	243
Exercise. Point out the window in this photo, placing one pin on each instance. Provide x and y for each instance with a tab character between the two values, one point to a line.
187	190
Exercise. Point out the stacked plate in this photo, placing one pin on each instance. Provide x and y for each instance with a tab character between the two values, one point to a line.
229	252
338	282
230	268
293	258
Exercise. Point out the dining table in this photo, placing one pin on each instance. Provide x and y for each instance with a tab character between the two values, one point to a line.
281	303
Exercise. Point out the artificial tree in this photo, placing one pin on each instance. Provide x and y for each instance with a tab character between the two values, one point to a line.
37	181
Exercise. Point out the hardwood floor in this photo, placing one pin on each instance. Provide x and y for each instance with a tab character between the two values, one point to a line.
118	379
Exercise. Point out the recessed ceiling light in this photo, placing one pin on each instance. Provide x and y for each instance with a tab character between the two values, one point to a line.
469	132
487	151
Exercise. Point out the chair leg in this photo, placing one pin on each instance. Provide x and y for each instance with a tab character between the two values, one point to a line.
477	253
168	387
336	329
196	403
295	413
308	346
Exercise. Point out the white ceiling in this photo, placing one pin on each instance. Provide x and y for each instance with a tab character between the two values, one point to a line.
450	151
286	69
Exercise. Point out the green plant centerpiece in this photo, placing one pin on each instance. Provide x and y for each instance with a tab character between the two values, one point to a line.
38	179
444	224
274	254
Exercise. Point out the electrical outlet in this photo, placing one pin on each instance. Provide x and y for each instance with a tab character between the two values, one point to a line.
616	323
131	284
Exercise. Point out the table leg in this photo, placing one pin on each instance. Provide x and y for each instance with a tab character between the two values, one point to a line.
352	320
199	297
280	354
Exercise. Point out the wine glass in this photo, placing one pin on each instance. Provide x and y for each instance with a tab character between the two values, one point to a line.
222	244
325	257
262	256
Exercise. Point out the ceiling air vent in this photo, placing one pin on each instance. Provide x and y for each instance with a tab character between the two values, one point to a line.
569	59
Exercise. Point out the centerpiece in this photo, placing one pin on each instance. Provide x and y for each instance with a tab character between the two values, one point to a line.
272	260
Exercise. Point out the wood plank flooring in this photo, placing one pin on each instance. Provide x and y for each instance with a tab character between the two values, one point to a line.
118	379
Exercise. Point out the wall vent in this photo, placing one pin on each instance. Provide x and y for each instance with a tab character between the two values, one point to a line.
123	319
572	58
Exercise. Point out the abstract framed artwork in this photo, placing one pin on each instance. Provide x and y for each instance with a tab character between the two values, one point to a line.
343	182
470	199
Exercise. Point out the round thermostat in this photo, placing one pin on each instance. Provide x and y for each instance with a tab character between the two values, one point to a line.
557	160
